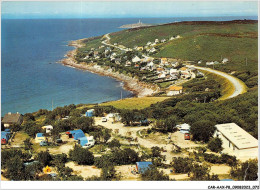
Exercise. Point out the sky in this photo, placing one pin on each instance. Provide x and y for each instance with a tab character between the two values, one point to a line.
129	9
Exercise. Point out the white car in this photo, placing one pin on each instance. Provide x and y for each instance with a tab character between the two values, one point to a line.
104	119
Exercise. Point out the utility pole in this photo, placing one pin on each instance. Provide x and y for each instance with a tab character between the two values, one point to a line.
121	95
246	61
52	105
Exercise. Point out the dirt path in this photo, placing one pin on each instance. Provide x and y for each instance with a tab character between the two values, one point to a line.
239	86
131	132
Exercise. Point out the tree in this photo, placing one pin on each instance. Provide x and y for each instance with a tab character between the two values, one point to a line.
27	144
182	165
199	172
246	171
128	117
114	144
44	158
15	170
215	144
108	173
28	117
202	130
81	155
152	174
156	151
31	128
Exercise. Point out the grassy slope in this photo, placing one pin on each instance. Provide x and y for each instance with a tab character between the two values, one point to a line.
134	103
208	41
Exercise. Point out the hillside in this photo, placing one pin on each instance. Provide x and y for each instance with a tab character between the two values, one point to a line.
206	41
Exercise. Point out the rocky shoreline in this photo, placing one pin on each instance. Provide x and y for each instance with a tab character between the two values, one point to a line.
140	89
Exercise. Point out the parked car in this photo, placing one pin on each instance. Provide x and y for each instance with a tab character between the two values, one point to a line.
187	136
43	143
104	119
58	140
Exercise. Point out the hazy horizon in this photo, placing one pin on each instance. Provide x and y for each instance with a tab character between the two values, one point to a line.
115	9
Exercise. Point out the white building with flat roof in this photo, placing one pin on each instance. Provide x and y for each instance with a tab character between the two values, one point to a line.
236	141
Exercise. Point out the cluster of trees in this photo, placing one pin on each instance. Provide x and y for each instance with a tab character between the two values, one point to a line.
13	161
81	155
133	117
196	171
153	174
215	159
166	125
215	144
246	171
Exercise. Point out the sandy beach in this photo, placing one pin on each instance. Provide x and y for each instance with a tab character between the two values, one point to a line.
140	89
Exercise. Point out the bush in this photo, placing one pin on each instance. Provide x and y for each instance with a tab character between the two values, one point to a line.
44	158
215	144
114	144
182	165
153	174
202	130
81	156
247	171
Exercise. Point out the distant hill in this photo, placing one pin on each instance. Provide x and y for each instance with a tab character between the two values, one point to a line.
135	25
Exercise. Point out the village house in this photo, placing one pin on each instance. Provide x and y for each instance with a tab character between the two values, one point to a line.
152	50
153	44
185	75
163	40
174	90
136	66
117	61
200	61
174	72
172	38
209	63
136	59
225	60
128	63
164	61
96	53
161	75
148	43
140	48
237	141
12	119
159	70
156	41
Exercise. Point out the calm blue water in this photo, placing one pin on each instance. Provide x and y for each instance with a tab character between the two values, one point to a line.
29	82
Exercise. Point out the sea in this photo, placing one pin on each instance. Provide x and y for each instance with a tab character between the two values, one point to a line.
32	78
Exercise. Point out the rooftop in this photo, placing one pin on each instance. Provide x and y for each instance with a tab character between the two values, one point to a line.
11	118
238	136
175	88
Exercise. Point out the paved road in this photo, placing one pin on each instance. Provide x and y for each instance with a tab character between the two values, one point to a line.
239	86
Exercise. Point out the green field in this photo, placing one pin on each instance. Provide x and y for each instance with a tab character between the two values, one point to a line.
134	103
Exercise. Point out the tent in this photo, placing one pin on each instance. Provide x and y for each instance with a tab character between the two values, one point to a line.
47	169
142	166
82	141
76	134
4	137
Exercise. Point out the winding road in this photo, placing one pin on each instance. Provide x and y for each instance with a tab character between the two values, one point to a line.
239	86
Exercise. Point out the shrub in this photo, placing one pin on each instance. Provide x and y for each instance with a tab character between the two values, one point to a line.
215	144
153	174
182	165
44	157
202	130
247	171
81	156
114	144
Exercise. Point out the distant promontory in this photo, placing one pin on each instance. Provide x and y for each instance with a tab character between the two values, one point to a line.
135	25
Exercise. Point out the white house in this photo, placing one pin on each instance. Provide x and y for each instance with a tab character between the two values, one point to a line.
156	41
172	38
236	141
136	59
184	128
210	63
162	75
48	128
148	43
163	40
174	90
128	63
225	60
174	72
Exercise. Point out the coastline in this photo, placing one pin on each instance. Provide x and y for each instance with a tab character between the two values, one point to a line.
139	89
